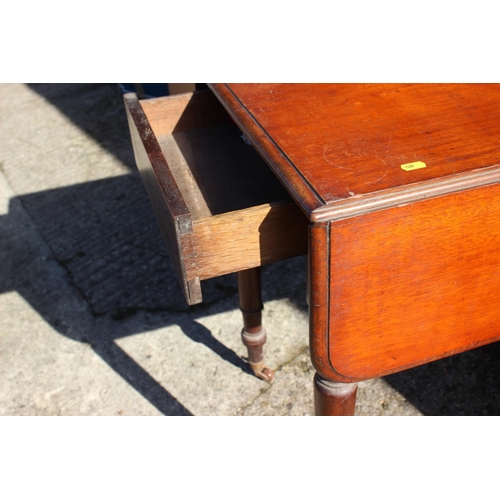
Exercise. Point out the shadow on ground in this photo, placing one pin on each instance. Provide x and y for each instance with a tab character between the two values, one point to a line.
105	238
95	108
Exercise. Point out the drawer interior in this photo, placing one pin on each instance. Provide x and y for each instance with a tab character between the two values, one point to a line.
218	204
215	169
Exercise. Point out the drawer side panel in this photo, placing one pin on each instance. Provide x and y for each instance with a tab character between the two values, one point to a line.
172	213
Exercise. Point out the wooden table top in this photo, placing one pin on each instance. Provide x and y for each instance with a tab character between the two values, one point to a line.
339	146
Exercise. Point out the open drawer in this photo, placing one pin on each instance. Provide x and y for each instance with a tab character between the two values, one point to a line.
219	207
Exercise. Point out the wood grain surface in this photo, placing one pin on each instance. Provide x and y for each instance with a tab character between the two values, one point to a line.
330	142
188	111
218	205
403	260
249	238
410	277
169	206
412	284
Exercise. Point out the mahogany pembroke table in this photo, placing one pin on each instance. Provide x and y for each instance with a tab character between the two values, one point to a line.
393	190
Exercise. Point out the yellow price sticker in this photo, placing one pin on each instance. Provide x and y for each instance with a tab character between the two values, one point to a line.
413	166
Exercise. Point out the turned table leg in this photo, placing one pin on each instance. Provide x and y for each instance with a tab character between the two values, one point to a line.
253	334
334	398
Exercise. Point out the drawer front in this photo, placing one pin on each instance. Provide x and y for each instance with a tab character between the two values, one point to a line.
249	238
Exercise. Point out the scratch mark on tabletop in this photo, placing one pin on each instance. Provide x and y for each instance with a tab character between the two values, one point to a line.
336	166
380	178
390	140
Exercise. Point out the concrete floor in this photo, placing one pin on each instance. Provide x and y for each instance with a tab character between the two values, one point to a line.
92	319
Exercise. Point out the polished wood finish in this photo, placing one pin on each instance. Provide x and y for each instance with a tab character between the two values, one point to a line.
291	178
403	264
415	283
318	297
250	296
411	193
184	146
253	335
334	398
351	140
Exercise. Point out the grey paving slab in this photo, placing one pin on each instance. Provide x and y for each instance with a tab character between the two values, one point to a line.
92	319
